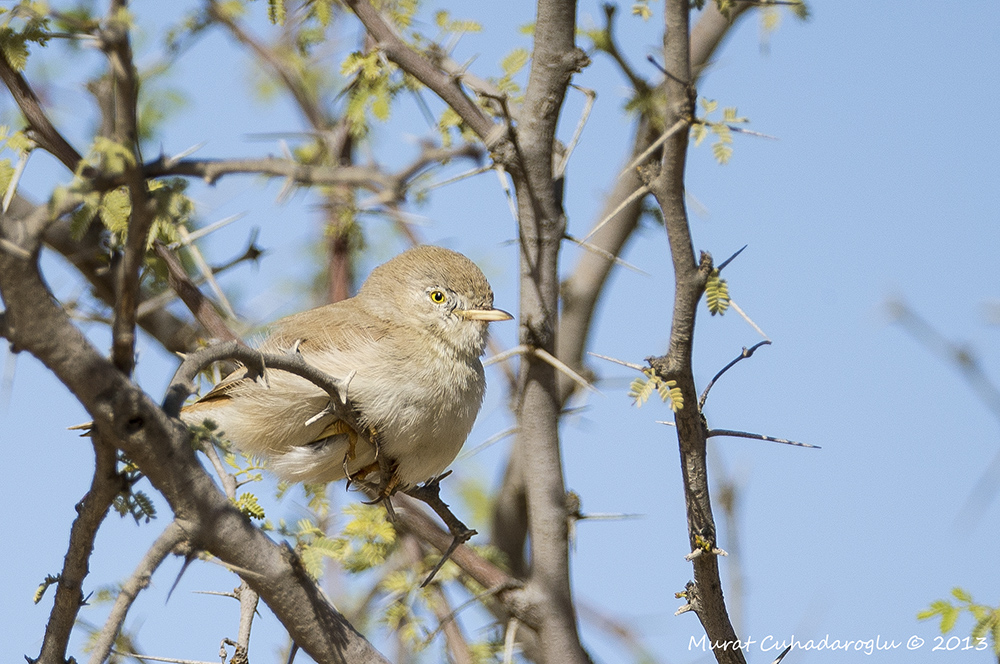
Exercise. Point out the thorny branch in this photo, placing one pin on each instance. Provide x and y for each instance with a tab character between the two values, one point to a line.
106	485
42	130
116	44
199	305
423	69
167	543
127	419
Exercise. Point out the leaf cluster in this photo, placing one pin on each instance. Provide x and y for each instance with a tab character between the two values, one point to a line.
130	502
643	387
722	148
987	618
717	294
24	23
365	542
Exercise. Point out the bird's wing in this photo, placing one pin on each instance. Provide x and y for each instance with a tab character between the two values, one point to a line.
335	327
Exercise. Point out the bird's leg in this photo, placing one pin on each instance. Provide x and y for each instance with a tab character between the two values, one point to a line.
430	493
388	476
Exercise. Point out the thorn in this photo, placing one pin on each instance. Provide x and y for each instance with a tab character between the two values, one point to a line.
630	365
169	162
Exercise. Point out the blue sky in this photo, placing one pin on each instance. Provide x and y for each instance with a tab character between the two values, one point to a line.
882	185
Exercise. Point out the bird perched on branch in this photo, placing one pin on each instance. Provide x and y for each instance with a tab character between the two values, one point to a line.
408	346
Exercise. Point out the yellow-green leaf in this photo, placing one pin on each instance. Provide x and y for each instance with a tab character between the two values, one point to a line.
276	11
722	152
115	209
717	294
514	61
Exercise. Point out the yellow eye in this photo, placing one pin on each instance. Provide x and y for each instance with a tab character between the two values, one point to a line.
437	297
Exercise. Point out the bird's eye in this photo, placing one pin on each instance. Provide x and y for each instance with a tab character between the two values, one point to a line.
437	296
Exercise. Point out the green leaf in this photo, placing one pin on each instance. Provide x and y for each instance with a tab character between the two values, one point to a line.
44	585
116	209
961	595
716	294
640	390
642	10
380	106
770	19
20	143
81	218
708	105
514	61
276	11
323	11
112	157
247	503
676	399
6	175
698	133
15	50
722	152
948	618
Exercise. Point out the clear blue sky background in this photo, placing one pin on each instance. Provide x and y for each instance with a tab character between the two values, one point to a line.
882	185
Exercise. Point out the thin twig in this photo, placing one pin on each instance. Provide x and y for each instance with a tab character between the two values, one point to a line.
489	592
460	176
509	640
639	84
44	132
8	196
168	540
505	355
151	658
563	368
757	436
188	238
430	494
746	352
492	440
107	483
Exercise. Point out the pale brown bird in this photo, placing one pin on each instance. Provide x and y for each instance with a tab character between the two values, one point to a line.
412	338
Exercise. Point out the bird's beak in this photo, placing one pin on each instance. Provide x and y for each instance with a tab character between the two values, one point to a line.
484	314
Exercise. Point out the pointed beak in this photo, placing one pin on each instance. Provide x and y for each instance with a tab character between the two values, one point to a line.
492	315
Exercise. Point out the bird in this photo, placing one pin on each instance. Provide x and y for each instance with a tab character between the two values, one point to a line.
408	346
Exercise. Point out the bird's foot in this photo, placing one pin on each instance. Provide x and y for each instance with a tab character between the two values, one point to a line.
388	483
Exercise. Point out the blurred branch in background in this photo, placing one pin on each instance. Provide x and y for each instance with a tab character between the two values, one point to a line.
963	359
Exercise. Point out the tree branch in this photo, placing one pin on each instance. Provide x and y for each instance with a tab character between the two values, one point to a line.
388	185
44	132
304	99
541	227
107	484
161	448
199	305
444	85
585	285
166	543
117	47
704	595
